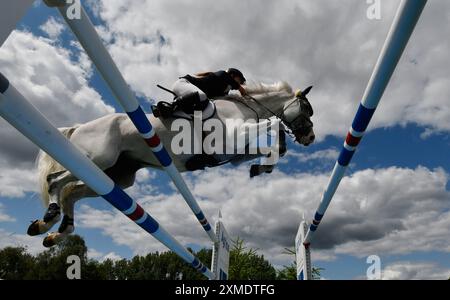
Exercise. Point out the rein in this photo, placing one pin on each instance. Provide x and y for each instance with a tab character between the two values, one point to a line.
280	116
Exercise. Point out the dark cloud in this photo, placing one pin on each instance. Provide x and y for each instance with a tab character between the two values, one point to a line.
16	150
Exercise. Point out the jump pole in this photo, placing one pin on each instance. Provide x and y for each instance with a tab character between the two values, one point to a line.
408	14
92	44
22	115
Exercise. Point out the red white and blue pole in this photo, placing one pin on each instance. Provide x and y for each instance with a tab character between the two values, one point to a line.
92	44
402	28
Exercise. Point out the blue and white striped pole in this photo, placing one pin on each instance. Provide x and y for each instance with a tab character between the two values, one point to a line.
90	41
15	109
402	28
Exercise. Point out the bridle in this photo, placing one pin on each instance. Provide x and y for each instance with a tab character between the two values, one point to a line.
302	118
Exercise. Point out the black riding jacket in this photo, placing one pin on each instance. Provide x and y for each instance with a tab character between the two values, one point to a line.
214	84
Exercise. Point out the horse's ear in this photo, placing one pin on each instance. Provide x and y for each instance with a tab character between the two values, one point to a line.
300	94
306	92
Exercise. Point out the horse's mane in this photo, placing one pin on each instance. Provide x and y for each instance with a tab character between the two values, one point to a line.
256	88
259	88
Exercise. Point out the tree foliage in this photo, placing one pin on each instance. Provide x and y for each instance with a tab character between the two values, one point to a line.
245	264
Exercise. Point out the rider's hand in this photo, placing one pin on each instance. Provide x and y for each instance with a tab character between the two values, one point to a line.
242	91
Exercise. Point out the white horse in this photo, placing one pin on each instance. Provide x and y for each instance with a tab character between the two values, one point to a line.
114	145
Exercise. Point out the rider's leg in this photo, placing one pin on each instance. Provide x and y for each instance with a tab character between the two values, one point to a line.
182	87
190	98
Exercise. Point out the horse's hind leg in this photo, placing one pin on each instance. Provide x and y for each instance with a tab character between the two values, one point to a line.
56	181
78	191
123	173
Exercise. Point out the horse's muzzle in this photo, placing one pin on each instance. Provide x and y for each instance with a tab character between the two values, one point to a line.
305	140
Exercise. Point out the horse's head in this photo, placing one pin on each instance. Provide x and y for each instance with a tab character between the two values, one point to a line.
297	117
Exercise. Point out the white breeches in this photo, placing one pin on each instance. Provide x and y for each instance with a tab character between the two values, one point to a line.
183	87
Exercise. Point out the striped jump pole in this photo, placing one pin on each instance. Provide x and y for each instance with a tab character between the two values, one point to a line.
402	28
21	114
89	39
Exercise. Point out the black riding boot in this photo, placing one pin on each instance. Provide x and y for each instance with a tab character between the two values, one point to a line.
162	109
187	103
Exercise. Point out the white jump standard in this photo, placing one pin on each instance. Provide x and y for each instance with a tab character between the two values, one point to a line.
221	252
407	16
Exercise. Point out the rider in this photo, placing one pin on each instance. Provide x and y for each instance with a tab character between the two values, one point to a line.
193	92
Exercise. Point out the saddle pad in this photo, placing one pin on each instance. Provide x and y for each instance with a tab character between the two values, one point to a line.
207	113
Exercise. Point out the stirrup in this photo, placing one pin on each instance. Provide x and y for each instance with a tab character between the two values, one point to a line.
163	109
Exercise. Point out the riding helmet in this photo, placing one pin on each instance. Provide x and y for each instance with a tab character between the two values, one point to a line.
236	72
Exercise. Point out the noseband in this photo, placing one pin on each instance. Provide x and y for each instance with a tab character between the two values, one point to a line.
300	125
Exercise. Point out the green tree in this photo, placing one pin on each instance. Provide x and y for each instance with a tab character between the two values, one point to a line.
15	263
106	270
52	264
246	264
288	272
121	270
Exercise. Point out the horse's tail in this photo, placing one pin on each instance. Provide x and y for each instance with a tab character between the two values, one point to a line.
46	165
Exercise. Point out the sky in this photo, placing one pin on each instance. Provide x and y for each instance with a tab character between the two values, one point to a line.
394	201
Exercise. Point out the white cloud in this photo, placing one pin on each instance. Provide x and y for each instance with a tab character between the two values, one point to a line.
53	82
415	271
111	256
5	217
322	155
15	183
11	239
52	28
94	254
100	256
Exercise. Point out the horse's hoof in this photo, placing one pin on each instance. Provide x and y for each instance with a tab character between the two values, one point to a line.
33	229
49	241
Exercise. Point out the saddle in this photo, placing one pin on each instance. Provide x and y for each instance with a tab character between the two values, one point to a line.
184	107
208	111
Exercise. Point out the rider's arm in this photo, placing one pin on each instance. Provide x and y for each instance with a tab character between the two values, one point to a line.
242	90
